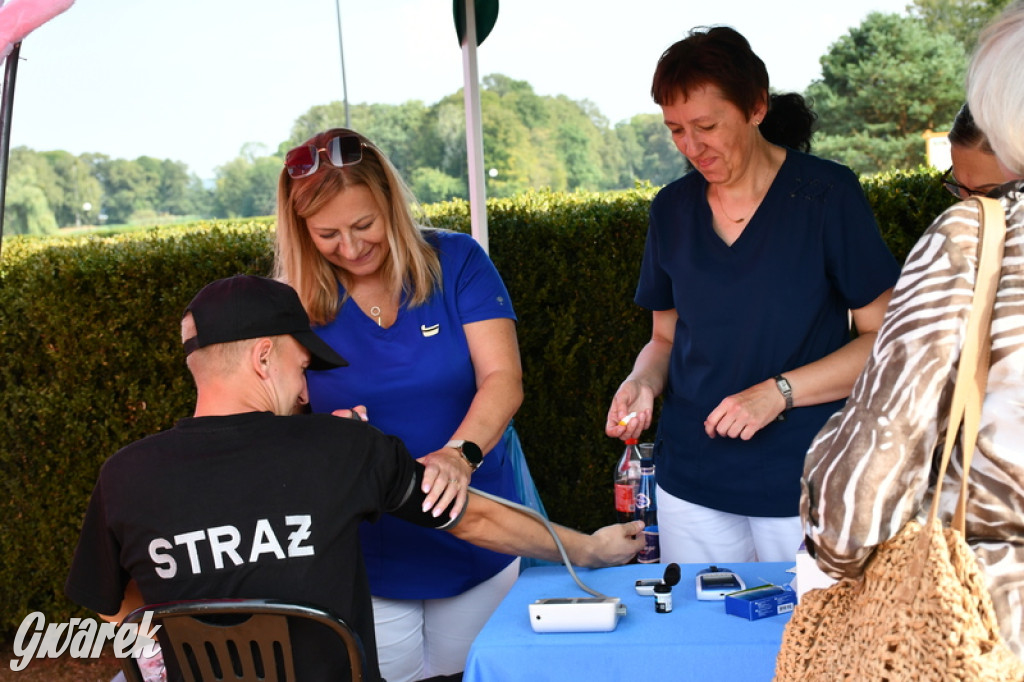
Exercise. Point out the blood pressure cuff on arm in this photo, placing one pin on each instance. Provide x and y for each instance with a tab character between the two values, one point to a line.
411	507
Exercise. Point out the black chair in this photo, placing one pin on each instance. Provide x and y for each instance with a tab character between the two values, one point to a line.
238	639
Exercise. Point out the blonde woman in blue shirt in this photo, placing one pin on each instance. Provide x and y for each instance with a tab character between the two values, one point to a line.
428	329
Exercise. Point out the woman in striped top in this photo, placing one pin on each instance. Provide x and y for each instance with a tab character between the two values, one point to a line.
869	469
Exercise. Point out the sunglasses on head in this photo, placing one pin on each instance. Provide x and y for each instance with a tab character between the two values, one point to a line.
961	191
343	149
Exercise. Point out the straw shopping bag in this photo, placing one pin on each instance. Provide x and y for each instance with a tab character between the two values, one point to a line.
921	610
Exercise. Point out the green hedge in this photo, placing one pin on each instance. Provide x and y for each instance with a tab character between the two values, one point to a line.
89	334
92	359
905	203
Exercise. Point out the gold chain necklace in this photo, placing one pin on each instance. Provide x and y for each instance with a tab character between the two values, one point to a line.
721	207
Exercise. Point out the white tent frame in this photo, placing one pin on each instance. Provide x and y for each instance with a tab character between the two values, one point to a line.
474	130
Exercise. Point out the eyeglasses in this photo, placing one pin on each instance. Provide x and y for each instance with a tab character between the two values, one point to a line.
961	191
344	149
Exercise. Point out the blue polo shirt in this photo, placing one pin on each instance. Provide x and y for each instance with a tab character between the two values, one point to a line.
776	299
417	382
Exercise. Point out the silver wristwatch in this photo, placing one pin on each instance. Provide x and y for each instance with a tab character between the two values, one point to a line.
782	383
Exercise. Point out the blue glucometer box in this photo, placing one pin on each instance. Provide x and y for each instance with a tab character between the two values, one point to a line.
760	602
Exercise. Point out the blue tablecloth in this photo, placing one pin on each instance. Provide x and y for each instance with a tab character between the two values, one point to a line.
697	641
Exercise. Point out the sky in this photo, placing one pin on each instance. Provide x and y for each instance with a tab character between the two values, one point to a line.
197	80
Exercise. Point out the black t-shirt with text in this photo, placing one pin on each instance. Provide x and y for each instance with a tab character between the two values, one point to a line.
248	506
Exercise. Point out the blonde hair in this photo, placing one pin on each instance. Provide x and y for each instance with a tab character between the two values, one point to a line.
413	265
995	86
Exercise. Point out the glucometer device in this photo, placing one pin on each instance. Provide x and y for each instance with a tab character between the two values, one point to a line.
646	587
661	589
713	583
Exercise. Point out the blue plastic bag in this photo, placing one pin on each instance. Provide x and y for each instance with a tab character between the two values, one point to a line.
525	487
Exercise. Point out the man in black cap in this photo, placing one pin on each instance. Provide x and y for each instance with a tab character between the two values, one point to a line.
249	499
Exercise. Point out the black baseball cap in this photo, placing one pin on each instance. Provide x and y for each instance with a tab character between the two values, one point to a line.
251	307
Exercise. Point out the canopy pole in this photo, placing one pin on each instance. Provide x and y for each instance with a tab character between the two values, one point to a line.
474	130
341	49
6	108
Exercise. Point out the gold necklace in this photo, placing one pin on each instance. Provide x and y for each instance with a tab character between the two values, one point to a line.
375	312
721	207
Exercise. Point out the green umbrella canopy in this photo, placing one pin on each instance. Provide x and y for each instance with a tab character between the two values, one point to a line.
486	15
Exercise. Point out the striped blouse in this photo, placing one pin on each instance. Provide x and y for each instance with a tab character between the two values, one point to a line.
867	471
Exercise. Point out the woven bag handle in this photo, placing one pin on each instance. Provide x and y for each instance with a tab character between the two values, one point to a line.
972	372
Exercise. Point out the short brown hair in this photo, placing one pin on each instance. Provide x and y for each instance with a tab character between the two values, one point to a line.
717	56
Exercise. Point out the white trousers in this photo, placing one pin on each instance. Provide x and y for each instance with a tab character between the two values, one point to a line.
692	534
423	638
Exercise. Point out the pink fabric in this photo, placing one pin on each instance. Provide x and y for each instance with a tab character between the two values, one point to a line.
18	18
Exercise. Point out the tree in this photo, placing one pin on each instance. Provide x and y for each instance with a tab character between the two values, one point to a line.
200	197
174	189
393	128
26	209
530	141
537	160
962	19
247	187
519	95
883	85
507	147
449	118
263	178
128	187
649	151
579	144
74	187
318	118
430	185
